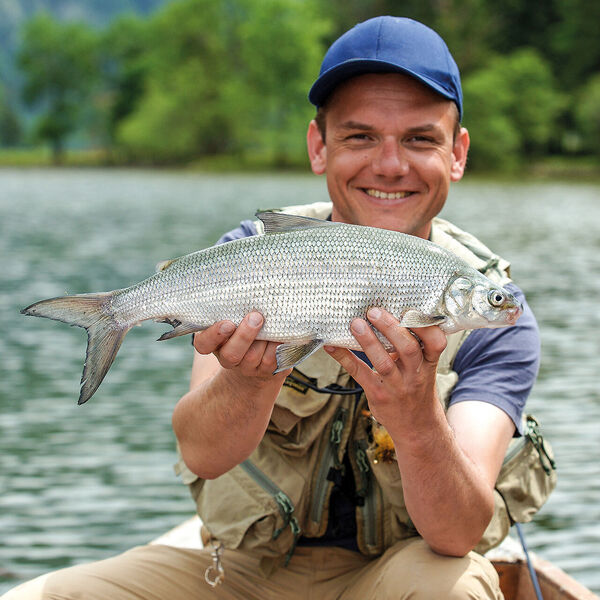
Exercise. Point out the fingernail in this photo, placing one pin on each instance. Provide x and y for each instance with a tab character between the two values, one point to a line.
374	314
226	328
329	349
359	326
255	319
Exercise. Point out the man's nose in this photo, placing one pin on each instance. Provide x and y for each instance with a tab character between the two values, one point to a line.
390	159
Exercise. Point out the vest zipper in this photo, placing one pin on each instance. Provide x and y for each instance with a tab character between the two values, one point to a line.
330	460
283	501
514	449
366	493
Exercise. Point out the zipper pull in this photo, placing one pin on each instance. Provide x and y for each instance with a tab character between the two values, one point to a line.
538	442
364	469
336	432
335	437
296	531
286	508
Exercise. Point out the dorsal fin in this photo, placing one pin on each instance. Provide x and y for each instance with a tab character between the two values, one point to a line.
276	222
164	264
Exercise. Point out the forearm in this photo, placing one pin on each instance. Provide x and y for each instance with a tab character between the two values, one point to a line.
222	420
447	497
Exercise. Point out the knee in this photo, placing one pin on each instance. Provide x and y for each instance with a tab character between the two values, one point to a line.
65	584
30	590
425	575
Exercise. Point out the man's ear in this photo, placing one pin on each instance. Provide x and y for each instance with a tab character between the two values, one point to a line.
459	155
317	152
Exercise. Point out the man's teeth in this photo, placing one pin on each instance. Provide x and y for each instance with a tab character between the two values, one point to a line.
387	195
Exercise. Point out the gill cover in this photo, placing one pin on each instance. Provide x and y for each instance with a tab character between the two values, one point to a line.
476	303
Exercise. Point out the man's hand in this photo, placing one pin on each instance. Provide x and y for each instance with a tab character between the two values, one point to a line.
238	349
448	462
401	382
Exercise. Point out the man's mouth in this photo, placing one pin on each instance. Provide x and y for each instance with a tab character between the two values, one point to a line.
387	195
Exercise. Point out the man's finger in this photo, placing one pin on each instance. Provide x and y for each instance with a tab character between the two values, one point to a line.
355	367
412	346
207	341
433	342
232	352
380	358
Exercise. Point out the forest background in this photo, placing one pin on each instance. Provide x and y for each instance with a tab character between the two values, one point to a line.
222	83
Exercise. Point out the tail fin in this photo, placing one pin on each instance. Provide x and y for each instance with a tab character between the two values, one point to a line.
89	311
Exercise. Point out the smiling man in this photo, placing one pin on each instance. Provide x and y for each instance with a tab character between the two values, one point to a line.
390	147
367	475
391	489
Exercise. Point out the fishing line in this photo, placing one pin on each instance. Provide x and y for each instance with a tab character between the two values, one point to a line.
532	573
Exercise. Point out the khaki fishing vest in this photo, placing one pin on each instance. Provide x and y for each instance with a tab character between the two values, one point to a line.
282	491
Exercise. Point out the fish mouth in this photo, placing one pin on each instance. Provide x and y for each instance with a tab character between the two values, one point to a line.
382	195
513	311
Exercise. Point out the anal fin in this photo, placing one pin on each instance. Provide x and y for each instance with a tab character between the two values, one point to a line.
291	354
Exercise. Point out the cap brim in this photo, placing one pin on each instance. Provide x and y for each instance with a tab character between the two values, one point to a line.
328	81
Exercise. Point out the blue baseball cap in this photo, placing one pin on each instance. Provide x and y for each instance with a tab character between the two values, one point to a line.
389	45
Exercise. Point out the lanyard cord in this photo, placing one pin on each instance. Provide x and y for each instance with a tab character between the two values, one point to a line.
332	388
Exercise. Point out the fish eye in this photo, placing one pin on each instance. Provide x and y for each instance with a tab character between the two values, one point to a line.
496	297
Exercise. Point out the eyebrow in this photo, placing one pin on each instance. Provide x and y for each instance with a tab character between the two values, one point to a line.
357	125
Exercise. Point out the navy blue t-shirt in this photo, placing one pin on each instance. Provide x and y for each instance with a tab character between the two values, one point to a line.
498	366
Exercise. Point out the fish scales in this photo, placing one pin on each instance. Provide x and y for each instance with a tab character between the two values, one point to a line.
305	283
308	278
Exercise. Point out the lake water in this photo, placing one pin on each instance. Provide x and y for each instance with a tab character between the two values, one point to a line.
80	483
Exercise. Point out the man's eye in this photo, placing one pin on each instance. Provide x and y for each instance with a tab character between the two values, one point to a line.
420	139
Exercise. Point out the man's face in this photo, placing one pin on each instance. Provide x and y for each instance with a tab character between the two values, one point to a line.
390	152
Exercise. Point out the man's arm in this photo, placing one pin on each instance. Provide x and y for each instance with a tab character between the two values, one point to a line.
223	417
448	462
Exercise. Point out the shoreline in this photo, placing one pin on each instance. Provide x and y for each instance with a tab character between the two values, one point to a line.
585	169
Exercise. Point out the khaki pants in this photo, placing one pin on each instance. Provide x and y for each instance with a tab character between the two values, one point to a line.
407	570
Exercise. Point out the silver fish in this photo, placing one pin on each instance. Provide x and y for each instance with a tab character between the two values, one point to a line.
309	278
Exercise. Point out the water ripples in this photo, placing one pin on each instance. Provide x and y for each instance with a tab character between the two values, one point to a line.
83	483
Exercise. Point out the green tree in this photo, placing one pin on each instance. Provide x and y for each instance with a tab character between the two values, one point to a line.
280	42
232	79
587	114
10	126
511	109
537	104
59	65
495	141
124	68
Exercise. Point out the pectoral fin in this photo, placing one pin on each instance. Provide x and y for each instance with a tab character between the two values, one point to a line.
415	318
292	354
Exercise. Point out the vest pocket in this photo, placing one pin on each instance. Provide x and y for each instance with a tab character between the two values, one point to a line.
245	509
528	474
526	479
399	525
